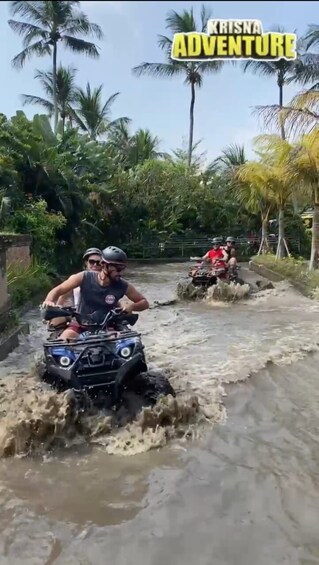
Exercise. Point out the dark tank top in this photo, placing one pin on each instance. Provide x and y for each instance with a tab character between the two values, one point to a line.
94	297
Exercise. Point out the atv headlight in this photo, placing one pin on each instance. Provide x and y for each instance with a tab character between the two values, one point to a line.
125	352
65	361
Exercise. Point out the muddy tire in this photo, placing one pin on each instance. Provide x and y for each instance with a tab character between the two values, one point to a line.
78	401
151	386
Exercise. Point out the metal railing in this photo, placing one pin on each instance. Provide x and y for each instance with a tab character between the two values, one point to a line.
181	248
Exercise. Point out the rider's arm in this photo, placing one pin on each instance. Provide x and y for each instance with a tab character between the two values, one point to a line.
68	285
140	302
225	255
65	299
206	256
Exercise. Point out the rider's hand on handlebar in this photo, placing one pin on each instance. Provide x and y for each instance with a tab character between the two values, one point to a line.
128	308
48	303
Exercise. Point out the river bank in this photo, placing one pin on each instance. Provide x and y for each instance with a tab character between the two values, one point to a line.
295	271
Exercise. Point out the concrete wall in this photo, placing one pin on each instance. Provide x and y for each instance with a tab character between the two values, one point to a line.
14	249
19	251
4	298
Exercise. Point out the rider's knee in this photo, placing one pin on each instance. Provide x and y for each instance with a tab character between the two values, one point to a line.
69	334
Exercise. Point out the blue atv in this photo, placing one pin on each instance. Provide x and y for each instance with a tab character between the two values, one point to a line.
106	360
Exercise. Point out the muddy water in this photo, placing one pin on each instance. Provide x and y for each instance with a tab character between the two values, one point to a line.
244	491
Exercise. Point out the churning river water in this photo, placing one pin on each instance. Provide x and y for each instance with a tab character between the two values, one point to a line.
228	474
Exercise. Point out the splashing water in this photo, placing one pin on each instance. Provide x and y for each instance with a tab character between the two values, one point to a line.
222	292
198	350
35	420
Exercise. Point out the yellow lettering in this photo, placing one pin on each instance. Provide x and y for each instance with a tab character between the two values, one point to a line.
234	46
248	40
194	44
262	45
209	44
222	50
276	45
179	46
290	46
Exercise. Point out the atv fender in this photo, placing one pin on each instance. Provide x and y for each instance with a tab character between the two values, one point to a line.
125	369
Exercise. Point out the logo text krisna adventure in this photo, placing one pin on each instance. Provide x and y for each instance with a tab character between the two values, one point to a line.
233	39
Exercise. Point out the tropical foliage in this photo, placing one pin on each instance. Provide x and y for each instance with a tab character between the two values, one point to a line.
91	178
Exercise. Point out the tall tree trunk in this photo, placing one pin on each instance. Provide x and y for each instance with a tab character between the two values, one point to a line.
264	245
191	125
281	234
55	101
281	103
314	259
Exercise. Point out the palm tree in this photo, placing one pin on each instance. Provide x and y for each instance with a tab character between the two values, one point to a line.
91	114
47	23
276	154
119	140
192	71
144	146
251	187
65	93
133	150
305	168
301	115
282	70
231	157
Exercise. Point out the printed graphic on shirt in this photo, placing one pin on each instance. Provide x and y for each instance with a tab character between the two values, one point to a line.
110	299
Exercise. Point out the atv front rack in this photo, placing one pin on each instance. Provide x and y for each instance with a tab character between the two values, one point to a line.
110	371
91	339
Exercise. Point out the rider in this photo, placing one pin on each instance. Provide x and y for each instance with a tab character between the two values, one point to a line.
217	253
231	251
92	262
100	291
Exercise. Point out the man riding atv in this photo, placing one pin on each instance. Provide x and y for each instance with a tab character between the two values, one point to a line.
99	291
231	251
217	253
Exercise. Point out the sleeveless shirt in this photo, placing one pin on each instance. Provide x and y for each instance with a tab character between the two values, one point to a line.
94	297
76	296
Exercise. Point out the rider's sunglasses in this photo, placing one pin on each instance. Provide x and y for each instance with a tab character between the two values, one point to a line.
96	262
118	268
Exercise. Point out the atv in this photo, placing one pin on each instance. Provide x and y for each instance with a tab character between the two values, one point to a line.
204	274
106	360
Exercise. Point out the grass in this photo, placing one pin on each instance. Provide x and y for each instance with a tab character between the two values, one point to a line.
292	269
27	283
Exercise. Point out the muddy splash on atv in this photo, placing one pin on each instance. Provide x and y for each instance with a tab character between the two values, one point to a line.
65	410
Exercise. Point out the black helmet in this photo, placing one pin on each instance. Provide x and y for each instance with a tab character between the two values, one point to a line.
231	240
91	251
113	254
216	241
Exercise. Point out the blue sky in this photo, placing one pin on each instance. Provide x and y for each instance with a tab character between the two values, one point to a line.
223	111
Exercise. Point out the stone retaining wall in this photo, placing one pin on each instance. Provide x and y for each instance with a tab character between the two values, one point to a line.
276	277
19	251
14	249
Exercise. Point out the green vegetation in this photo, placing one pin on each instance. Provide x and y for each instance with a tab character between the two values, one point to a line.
27	284
292	269
92	179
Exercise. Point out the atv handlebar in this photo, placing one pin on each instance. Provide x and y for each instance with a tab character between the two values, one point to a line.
94	320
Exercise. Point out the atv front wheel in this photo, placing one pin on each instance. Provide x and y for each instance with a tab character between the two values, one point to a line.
78	400
151	386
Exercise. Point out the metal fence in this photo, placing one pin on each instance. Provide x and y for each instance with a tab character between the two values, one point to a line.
182	248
